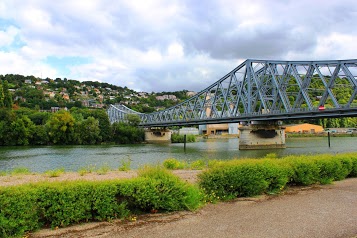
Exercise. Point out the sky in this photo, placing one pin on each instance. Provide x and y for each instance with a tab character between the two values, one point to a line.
168	45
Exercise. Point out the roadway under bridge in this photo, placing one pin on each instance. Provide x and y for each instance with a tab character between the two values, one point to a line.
263	91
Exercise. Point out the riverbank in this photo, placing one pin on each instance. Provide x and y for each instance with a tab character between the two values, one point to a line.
13	180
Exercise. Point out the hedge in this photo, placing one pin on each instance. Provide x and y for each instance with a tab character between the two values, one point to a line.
29	207
250	177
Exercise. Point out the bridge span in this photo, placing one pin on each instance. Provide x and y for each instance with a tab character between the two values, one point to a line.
264	90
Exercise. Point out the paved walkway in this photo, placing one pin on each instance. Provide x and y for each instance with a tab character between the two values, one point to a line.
319	211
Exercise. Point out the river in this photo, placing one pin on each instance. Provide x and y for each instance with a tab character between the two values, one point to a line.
73	158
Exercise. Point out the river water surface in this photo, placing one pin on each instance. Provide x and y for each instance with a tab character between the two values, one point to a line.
73	158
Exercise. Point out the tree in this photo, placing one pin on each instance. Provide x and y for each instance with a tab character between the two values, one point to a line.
126	134
1	96
133	119
7	95
89	131
61	128
21	131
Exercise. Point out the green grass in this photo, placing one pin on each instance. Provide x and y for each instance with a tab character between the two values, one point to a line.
20	171
88	169
173	164
104	169
125	164
55	173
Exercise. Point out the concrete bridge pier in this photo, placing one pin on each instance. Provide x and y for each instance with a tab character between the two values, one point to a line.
158	135
261	135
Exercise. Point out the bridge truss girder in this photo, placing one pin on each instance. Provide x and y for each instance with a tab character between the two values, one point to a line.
264	90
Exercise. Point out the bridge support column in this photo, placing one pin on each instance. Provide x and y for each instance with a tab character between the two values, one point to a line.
158	135
261	135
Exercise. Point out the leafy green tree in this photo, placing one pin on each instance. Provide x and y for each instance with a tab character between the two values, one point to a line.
40	135
61	128
126	134
89	131
1	96
7	95
39	118
133	119
21	131
104	123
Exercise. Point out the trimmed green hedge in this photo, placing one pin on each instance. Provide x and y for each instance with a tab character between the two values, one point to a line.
29	207
249	177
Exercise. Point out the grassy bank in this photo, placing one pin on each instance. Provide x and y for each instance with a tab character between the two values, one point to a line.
29	207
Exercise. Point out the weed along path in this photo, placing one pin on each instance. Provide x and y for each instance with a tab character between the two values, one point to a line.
314	211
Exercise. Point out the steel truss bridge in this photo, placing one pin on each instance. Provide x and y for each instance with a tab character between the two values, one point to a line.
264	90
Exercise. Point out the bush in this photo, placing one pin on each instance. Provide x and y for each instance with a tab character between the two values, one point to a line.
54	173
234	179
198	165
173	164
353	172
20	171
164	191
306	171
177	138
29	207
18	211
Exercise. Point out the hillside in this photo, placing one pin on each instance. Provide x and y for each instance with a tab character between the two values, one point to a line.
47	94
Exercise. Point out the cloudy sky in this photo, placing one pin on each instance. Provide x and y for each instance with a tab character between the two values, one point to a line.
168	45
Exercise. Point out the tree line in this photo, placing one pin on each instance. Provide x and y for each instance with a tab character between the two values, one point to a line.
75	127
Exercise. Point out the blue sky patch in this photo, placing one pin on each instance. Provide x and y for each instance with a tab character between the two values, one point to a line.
62	64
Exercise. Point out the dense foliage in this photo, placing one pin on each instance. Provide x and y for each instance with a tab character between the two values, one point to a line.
77	126
239	178
177	138
29	207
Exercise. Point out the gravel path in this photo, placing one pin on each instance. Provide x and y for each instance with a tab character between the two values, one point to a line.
317	211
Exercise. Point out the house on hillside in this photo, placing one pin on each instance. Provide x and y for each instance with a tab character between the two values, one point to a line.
304	128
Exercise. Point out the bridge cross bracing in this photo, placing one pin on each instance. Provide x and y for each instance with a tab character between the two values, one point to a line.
264	90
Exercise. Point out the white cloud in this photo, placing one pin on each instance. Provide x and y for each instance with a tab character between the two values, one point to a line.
12	63
159	45
8	35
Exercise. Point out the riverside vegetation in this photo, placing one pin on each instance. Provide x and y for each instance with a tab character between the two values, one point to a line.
28	207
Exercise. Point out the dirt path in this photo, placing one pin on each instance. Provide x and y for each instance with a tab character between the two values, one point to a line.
317	211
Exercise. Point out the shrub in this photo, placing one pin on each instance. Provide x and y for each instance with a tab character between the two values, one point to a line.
233	179
177	138
353	172
306	171
54	173
173	164
28	207
20	171
161	190
198	165
125	165
19	212
103	170
65	204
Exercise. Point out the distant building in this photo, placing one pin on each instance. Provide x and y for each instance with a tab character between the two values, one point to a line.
188	131
168	97
190	94
219	129
303	128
